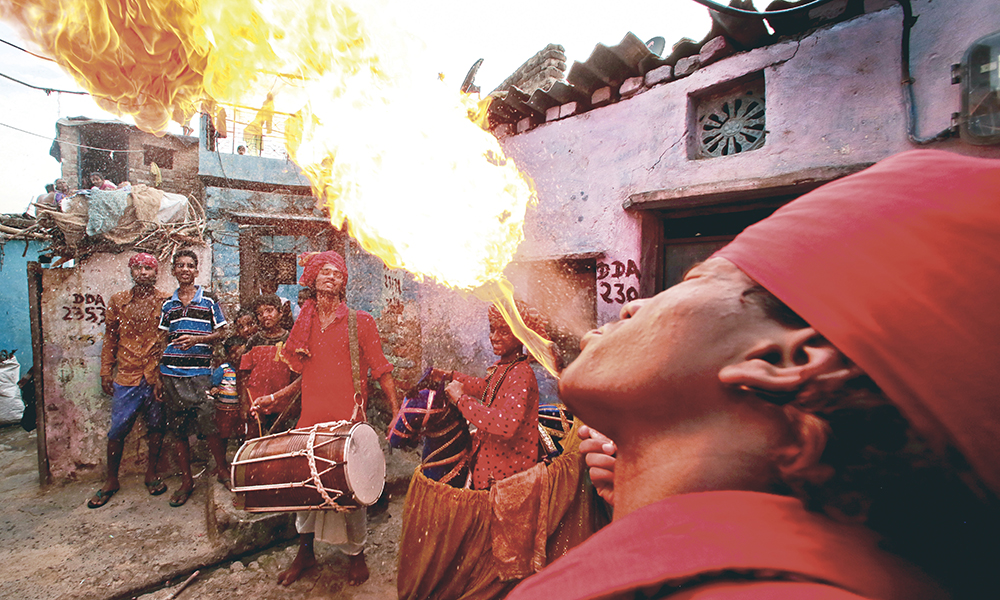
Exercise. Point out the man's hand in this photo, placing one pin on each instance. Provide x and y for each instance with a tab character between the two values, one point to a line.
436	376
599	453
158	390
265	405
454	390
106	385
186	341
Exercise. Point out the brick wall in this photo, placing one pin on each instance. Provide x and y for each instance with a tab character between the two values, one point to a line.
181	177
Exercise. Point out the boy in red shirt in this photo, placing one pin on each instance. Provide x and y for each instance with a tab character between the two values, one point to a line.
263	373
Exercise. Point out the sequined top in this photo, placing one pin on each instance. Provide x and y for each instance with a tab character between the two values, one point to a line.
508	426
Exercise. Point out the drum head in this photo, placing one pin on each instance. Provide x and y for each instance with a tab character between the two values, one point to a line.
365	469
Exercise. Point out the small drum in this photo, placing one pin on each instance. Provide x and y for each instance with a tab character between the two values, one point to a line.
330	466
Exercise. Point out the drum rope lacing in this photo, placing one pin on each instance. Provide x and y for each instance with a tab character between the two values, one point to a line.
328	502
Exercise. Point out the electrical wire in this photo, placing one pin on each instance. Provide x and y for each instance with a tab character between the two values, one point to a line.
909	97
44	89
742	12
48	137
28	51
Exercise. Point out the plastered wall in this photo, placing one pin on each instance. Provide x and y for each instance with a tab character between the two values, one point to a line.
77	412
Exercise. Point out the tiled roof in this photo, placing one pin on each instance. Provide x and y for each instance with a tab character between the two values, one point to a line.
541	90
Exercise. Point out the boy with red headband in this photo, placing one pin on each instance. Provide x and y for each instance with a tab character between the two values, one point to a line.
130	372
812	412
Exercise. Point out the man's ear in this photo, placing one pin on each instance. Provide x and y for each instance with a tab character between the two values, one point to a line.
783	362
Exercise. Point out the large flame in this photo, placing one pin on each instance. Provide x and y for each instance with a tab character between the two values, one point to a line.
393	151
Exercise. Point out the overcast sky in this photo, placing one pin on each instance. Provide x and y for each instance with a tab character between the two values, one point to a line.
456	33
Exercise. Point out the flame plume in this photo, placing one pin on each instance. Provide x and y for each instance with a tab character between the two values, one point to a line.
393	151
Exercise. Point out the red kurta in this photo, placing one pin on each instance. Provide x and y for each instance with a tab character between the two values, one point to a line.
327	386
727	546
508	427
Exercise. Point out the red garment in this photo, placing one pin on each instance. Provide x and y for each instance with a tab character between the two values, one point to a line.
729	543
312	262
897	267
508	427
268	373
327	385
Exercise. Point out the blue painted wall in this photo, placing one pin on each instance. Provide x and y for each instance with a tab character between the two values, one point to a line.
244	167
15	322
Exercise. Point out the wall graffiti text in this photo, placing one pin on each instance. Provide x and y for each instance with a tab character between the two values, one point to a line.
88	308
617	292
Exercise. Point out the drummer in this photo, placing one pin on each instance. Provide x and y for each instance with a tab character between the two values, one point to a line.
318	348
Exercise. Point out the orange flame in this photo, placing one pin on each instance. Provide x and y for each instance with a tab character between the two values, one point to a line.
396	154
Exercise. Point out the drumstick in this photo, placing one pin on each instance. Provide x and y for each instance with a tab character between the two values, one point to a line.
285	413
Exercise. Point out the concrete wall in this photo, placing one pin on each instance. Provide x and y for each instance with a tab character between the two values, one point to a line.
15	322
77	412
833	100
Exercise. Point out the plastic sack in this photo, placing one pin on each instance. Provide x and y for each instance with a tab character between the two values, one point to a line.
11	406
173	208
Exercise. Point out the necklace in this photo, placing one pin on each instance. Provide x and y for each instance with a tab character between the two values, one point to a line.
503	374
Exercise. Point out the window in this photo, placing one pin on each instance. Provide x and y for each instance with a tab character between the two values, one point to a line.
163	157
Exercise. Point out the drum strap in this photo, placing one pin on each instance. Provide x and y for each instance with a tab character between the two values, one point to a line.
359	415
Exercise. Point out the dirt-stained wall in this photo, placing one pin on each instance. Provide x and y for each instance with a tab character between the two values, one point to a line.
77	412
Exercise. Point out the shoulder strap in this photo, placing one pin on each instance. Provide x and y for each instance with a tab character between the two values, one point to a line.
352	334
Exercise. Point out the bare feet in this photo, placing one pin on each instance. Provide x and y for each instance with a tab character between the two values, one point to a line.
357	569
302	563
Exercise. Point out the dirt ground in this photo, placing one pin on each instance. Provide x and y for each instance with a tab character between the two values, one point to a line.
53	547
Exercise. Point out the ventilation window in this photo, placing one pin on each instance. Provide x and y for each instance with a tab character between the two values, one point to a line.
163	157
730	120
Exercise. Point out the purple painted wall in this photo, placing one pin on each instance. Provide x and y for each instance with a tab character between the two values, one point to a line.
833	100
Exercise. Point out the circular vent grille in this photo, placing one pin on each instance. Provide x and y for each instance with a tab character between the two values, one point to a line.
732	125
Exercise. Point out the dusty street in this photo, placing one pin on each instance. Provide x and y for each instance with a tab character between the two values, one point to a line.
53	547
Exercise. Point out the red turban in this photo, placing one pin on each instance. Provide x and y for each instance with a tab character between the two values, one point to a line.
898	266
296	348
312	262
143	259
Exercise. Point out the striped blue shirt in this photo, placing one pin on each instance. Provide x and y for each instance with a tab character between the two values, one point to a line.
201	317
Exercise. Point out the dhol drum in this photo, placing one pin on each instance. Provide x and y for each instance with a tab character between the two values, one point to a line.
330	466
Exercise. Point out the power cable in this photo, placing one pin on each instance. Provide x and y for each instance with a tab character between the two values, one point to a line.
28	51
742	12
48	137
44	89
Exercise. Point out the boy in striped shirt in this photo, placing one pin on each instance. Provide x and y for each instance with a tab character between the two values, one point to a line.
193	321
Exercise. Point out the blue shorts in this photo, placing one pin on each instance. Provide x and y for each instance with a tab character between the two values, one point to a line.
126	403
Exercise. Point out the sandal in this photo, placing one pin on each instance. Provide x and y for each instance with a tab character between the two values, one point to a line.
155	487
180	497
224	480
101	498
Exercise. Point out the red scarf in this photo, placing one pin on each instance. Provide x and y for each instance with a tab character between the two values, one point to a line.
898	266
